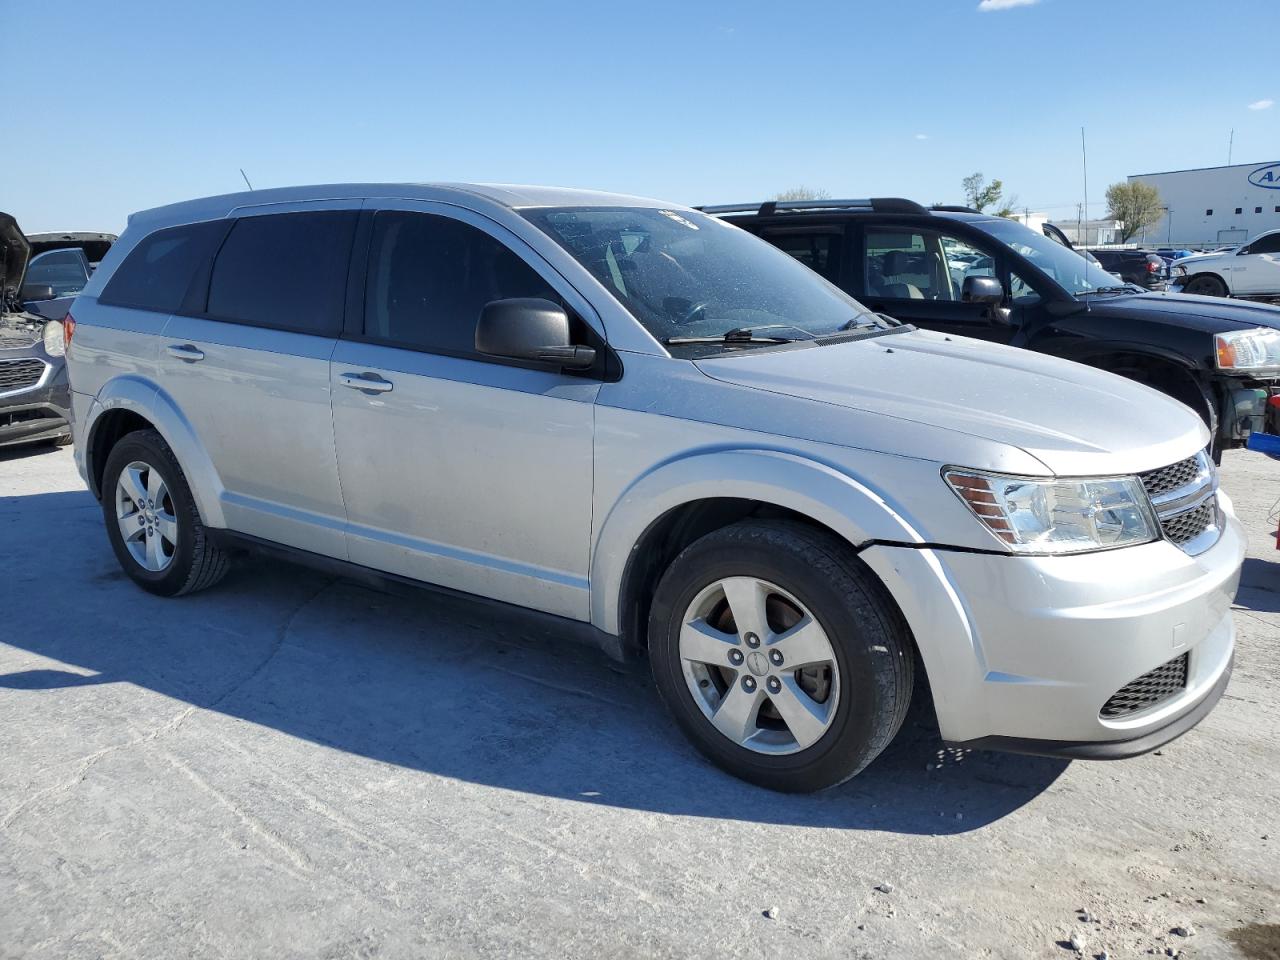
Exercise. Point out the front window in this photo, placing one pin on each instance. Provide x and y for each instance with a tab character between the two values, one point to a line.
1072	272
687	276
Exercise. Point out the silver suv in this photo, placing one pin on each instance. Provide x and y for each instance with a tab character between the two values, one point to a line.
654	426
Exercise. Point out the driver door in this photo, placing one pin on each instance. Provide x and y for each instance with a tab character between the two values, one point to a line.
1256	268
916	275
457	468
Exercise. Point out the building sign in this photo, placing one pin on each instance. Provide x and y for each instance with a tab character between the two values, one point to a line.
1267	177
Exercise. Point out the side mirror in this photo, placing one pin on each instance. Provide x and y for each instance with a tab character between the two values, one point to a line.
35	291
528	328
987	290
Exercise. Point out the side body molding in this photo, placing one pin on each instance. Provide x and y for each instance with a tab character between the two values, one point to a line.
144	398
815	489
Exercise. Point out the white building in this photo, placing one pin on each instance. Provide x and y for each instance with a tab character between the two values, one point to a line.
1090	233
1214	206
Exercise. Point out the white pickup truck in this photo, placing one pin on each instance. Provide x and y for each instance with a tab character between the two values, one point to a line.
1252	270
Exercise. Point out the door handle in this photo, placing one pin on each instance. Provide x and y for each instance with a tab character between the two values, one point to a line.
370	382
185	351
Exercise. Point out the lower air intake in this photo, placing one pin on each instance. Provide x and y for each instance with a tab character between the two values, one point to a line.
1149	689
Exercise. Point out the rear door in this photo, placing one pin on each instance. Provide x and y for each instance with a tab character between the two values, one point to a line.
460	469
247	362
916	274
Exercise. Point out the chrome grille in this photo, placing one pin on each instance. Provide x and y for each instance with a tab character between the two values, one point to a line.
20	374
1149	689
1185	498
1185	527
1162	481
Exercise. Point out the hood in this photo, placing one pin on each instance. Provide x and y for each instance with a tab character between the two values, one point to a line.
94	245
1198	257
1074	419
1210	314
14	254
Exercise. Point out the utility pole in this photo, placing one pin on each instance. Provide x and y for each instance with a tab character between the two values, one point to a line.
1231	145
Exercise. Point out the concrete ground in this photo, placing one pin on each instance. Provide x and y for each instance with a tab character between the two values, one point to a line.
293	766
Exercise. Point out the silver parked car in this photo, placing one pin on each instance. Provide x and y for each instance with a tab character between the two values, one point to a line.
643	421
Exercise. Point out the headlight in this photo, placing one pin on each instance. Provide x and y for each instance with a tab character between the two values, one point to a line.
55	340
1034	515
1179	271
1247	349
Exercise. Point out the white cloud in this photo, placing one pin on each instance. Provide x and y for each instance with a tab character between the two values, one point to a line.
989	6
922	136
1262	105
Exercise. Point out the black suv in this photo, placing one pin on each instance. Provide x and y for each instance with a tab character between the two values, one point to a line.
1135	266
958	271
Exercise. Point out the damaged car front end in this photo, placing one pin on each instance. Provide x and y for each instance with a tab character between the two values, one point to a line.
35	401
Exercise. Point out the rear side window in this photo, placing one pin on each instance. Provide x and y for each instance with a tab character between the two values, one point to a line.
157	272
430	276
819	251
287	271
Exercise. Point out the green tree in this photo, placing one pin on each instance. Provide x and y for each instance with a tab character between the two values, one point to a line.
979	194
1136	205
803	193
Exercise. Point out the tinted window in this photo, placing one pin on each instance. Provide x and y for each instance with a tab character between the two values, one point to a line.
286	270
1267	244
156	273
430	276
820	252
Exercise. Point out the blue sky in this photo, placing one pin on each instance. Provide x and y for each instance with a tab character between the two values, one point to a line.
136	103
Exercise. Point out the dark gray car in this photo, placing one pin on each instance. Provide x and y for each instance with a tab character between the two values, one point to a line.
34	400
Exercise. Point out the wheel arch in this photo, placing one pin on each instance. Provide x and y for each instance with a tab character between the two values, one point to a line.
680	501
128	404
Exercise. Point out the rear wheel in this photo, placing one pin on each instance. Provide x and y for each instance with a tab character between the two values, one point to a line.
1205	285
152	520
780	655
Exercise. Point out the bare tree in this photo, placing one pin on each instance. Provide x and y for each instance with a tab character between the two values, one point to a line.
1136	205
803	193
981	194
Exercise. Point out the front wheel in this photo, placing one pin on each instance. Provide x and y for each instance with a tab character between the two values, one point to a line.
1205	285
780	655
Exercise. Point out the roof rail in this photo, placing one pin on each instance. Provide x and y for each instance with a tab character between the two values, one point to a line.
770	207
953	208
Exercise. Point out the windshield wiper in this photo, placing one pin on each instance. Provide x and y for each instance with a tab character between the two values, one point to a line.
743	335
1127	288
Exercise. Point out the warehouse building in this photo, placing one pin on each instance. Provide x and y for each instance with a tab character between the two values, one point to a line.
1214	206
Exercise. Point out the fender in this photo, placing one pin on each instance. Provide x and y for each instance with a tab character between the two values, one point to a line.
1091	351
819	491
149	401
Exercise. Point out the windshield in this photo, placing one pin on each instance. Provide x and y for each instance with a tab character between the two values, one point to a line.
1072	271
685	275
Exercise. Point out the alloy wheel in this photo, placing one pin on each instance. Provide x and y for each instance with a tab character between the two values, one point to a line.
759	666
146	517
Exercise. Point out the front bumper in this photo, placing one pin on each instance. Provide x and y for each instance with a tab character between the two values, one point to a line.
42	412
1023	652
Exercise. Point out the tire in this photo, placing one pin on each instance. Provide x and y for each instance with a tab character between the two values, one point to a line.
790	575
1205	285
169	553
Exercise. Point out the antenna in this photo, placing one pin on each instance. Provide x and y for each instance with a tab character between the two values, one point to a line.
246	179
1231	142
1084	162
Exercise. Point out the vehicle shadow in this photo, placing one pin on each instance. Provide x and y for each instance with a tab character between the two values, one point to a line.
23	451
437	684
1259	586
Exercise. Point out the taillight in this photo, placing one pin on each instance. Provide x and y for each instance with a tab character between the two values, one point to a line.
1153	267
68	326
